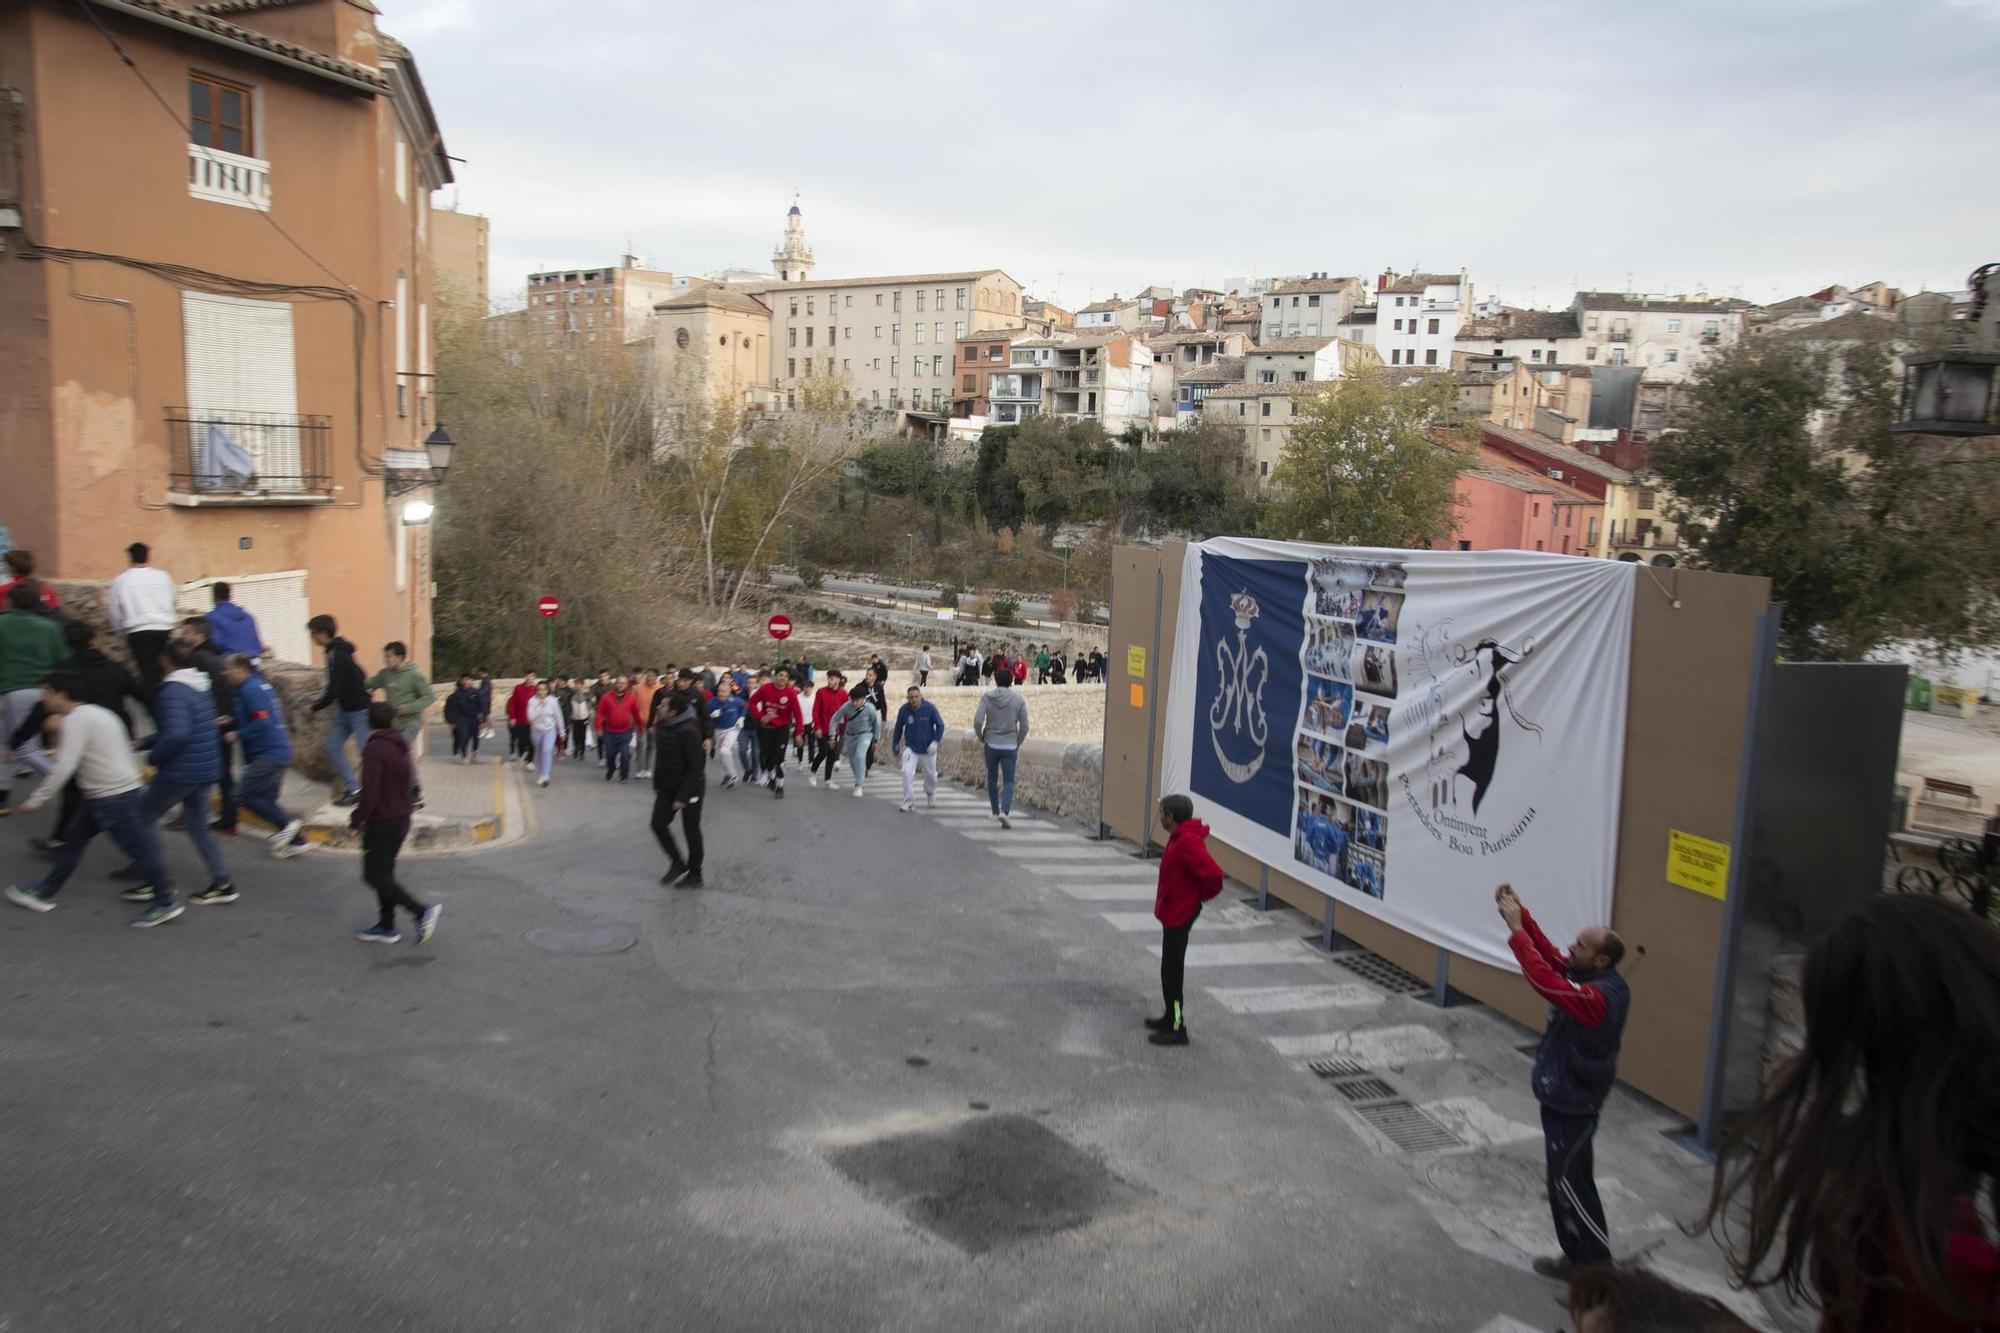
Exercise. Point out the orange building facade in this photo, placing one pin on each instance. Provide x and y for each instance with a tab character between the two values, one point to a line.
216	305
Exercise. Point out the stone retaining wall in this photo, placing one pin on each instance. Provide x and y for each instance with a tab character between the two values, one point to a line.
1062	779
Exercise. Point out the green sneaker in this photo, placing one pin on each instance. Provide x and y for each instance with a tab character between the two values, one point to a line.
157	916
138	893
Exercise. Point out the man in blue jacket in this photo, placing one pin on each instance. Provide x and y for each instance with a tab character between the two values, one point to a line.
267	753
230	628
919	728
186	754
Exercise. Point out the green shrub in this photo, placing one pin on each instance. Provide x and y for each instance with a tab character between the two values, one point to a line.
1004	607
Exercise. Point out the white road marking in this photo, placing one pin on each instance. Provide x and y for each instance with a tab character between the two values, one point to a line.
1142	921
1114	891
986	822
1028	835
1479	1124
1036	850
1098	865
1296	999
1377	1048
1503	1324
1245	955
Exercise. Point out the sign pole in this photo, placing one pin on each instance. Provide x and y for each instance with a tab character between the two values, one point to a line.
548	646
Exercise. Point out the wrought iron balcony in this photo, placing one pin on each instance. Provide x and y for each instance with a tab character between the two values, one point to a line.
272	457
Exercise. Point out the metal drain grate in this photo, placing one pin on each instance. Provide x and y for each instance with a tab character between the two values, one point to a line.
1374	967
1407	1127
1337	1068
1370	1089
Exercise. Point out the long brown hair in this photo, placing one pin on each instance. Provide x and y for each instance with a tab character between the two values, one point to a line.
1846	1178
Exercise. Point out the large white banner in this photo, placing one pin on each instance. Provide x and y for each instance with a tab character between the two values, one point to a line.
1404	730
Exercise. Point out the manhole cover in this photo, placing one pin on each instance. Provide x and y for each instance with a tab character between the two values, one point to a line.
584	939
1374	967
987	1182
1370	1089
1409	1128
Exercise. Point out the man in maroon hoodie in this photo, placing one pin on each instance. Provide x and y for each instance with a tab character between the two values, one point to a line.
1189	877
518	741
383	816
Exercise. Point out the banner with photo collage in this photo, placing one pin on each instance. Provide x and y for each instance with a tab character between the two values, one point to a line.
1405	730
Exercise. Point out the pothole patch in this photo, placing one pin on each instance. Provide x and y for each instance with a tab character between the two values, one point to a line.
986	1182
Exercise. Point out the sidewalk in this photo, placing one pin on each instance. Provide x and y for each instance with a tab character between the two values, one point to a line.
465	805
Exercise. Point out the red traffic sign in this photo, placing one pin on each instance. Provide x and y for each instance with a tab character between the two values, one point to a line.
780	627
548	606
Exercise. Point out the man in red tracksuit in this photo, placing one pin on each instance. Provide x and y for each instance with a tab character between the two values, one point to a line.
1189	877
775	709
518	741
825	744
620	715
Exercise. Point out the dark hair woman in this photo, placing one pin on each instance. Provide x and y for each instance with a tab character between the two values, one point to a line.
1860	1181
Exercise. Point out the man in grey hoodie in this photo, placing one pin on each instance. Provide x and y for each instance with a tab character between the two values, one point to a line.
1001	724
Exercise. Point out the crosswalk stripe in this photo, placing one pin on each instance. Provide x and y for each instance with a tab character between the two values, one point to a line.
1031	835
1377	1048
1096	864
986	822
1245	955
1114	891
1142	921
1295	999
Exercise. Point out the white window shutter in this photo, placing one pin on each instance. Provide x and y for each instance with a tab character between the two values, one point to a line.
242	371
277	601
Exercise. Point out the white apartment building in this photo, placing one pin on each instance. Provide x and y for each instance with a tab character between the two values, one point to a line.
1105	377
1537	337
1667	335
1417	317
1308	307
1115	313
1292	361
1359	326
1265	404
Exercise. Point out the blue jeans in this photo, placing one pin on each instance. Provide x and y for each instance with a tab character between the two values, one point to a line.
346	722
124	818
617	754
746	753
257	792
192	798
1000	780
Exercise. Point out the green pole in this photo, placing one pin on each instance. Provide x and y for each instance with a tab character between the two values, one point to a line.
548	646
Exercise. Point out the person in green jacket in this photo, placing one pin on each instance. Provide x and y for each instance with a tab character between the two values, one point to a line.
409	692
31	645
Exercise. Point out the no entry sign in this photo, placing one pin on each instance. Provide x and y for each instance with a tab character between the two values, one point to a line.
780	627
548	606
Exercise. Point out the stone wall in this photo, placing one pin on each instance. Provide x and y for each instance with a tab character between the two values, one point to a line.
908	626
1055	712
1065	780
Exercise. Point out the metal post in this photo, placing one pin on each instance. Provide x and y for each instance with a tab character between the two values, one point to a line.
548	645
1708	1132
1263	888
1152	713
1326	934
1441	979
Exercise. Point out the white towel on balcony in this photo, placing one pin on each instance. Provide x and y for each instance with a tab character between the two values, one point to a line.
225	464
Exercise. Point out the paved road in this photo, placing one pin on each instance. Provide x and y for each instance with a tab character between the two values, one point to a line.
1039	609
885	1072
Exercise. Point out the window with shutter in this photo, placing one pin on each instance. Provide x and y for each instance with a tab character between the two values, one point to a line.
276	601
242	388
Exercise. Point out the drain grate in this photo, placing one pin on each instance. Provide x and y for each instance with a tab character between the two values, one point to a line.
1374	967
1337	1068
1370	1089
1409	1128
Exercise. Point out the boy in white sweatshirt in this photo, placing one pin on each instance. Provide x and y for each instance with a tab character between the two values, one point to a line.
94	747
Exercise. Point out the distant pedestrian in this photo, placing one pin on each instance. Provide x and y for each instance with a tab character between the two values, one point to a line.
968	666
582	708
647	687
545	723
861	727
462	715
31	646
749	746
679	777
775	706
383	816
105	683
1001	724
919	729
94	748
186	752
519	746
1575	1066
618	717
20	565
230	628
922	666
347	694
408	689
726	713
141	606
485	703
1058	669
1043	657
878	695
1189	877
267	755
822	736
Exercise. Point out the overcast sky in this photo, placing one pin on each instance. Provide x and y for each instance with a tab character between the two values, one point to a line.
1760	149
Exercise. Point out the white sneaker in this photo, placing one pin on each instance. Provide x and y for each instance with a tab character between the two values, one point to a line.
283	837
292	849
857	791
907	809
813	781
1004	821
930	800
544	782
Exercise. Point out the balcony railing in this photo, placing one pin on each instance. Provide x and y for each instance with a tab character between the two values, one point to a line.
1711	336
229	178
277	456
1621	335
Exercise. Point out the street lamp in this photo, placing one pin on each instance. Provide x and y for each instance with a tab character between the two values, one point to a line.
439	449
1953	392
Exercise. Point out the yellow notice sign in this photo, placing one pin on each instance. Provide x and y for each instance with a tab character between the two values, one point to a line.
1138	695
1697	863
1135	661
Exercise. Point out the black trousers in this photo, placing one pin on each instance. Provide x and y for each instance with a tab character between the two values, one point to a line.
772	742
1572	1180
145	646
664	815
518	741
579	732
225	787
824	752
381	840
1173	964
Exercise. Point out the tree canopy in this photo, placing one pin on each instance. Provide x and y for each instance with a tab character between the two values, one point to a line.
1364	466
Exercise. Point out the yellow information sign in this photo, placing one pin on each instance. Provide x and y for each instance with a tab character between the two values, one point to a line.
1701	864
1135	662
1138	695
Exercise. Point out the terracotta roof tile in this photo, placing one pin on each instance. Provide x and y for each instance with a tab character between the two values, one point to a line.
1292	345
1548	324
1416	282
1854	326
1316	285
1636	301
1558	452
198	23
1222	370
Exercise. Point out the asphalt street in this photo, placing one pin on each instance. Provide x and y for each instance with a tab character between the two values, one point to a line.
884	1072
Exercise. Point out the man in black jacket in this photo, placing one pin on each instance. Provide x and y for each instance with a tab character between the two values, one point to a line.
100	681
347	692
679	774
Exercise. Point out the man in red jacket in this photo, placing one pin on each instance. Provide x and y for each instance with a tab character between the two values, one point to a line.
620	715
775	709
1189	877
518	740
822	738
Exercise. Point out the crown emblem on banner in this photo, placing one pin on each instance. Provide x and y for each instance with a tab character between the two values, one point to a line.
1246	609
